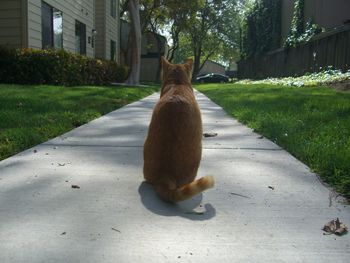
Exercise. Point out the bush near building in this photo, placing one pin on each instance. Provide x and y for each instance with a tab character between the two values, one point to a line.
56	67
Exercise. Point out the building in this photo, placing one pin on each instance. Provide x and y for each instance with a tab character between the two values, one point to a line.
327	14
232	69
107	24
211	67
150	62
87	27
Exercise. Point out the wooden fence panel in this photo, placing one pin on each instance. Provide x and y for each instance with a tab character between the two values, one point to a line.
327	49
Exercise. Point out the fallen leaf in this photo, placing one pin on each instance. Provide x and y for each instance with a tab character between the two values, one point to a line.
75	186
335	227
210	134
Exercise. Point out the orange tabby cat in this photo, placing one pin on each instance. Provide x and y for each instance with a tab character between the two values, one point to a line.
173	147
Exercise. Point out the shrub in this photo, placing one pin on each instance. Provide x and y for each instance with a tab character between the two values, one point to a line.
57	67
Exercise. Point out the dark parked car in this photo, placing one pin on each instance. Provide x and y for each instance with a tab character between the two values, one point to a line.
212	78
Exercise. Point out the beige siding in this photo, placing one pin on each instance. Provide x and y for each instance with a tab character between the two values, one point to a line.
112	29
81	10
107	29
11	29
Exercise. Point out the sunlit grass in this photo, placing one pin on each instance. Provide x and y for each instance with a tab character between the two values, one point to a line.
312	123
30	115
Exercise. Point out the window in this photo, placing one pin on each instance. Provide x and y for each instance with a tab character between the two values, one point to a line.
114	8
51	27
113	50
80	38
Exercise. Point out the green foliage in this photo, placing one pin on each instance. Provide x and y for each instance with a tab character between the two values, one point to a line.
261	30
297	33
208	33
312	123
298	17
294	39
56	67
30	115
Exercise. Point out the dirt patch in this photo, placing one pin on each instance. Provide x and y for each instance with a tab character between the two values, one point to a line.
341	86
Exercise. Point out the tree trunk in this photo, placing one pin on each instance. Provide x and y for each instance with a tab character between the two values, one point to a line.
134	9
196	63
159	54
171	52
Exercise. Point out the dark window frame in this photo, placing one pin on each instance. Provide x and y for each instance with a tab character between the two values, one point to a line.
113	6
113	50
80	30
47	26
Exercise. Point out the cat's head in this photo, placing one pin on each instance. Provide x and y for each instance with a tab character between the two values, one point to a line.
176	73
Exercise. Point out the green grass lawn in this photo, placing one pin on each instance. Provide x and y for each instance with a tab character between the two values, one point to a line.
30	115
312	123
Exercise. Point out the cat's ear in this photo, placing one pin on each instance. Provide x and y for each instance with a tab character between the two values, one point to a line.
189	63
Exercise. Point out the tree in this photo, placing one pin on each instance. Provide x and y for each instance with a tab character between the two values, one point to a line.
135	32
298	32
180	14
158	16
261	29
208	28
212	33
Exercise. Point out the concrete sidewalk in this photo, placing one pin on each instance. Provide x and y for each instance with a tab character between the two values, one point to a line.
266	205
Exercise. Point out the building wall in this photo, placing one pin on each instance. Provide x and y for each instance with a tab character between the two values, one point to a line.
12	23
148	69
81	10
149	52
108	28
287	16
326	13
212	67
100	25
150	44
112	29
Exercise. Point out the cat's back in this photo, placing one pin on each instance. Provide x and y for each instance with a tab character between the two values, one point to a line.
178	109
173	144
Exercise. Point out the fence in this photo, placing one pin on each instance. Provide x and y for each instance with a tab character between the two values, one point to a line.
327	49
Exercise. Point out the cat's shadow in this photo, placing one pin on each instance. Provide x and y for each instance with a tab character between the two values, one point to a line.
190	209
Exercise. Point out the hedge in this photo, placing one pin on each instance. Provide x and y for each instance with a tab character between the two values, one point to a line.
56	67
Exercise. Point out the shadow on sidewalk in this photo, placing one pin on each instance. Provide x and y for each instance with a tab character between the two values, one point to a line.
190	209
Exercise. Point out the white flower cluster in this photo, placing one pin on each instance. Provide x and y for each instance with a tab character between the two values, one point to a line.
324	77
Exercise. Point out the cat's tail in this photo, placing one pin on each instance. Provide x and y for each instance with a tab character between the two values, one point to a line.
186	191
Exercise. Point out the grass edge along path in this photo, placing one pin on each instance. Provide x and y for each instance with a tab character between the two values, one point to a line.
32	114
311	123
